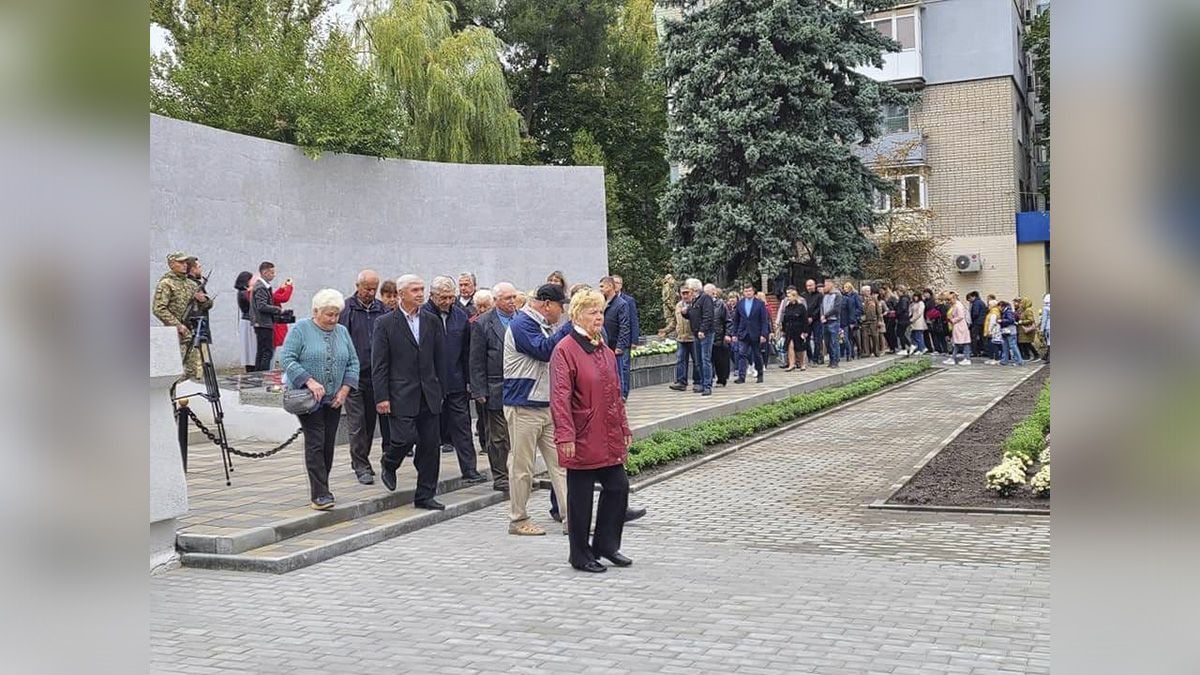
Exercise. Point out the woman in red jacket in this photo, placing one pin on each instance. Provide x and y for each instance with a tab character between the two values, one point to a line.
281	295
592	435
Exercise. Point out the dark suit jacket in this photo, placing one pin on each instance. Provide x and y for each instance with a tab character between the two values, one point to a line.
263	309
722	322
751	328
457	335
401	371
700	315
618	325
487	359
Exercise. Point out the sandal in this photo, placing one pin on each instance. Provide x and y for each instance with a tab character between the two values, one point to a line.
525	529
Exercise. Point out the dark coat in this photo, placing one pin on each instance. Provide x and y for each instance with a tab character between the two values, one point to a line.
617	324
469	308
487	359
263	309
902	305
852	308
456	327
751	328
402	371
979	311
700	315
813	302
360	320
585	402
722	322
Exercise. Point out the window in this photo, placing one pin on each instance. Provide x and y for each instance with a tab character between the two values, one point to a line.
908	192
895	118
902	29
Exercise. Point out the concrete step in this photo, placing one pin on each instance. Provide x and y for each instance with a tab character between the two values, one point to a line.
346	536
281	530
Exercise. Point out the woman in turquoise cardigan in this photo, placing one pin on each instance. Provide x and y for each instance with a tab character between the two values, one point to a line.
318	355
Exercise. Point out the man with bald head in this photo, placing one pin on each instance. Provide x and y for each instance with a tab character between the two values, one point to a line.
358	316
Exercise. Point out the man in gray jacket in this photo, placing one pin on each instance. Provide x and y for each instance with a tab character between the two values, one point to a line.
831	324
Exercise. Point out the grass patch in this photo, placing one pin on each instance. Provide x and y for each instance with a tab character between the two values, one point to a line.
666	446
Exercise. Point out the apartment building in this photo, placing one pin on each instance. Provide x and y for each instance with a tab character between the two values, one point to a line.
961	157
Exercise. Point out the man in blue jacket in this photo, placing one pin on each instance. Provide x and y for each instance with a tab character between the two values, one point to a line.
618	330
978	313
751	326
456	414
636	335
852	310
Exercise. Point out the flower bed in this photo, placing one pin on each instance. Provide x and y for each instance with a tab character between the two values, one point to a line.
667	446
667	346
1022	450
955	476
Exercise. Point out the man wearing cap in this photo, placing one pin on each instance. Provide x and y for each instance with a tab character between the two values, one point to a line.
172	295
528	344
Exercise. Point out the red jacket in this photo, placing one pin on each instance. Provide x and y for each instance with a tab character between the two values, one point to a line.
280	296
585	401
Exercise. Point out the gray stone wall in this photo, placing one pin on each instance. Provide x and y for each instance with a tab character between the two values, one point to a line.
235	201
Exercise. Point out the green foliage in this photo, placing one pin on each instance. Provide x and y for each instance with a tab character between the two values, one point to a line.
766	103
665	446
451	83
271	69
1037	41
1029	436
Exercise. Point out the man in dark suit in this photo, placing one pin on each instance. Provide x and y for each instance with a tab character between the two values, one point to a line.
722	335
407	353
636	334
466	293
487	377
456	407
751	325
263	312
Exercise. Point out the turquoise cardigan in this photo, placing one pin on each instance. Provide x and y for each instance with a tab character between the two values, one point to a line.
328	356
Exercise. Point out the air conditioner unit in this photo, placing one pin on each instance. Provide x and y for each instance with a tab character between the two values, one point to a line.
968	262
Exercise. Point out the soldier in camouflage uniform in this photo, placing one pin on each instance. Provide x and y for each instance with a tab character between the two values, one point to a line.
174	292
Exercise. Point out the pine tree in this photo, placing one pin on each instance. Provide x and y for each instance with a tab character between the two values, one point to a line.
765	106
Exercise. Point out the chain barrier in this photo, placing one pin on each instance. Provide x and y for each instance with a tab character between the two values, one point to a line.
252	455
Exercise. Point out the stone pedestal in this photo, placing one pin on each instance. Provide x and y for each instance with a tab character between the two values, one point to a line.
168	487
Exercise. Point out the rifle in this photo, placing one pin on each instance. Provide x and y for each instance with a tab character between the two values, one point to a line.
197	319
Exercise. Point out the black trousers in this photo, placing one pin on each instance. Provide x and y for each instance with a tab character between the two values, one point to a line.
264	339
978	344
721	362
889	334
481	425
456	430
361	418
320	432
610	513
421	431
497	447
901	336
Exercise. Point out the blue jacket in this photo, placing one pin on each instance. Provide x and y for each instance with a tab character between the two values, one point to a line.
528	344
751	328
979	310
617	326
457	362
636	331
359	319
852	309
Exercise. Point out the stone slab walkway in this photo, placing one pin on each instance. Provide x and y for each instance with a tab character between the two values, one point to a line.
274	489
765	561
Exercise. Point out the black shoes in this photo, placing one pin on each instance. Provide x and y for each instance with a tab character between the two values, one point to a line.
593	566
697	390
759	379
616	558
556	516
447	448
678	387
740	380
634	512
322	503
474	478
706	392
430	504
366	478
388	478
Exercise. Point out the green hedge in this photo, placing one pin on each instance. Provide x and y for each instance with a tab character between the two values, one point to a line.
1029	436
664	446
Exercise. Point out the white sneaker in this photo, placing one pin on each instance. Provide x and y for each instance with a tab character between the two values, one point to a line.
965	362
991	362
948	362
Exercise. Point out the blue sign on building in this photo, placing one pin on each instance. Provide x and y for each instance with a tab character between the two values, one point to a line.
1033	226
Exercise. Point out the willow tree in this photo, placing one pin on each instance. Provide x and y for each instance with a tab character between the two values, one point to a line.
451	83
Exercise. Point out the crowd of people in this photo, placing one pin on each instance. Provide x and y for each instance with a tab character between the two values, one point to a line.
718	334
543	373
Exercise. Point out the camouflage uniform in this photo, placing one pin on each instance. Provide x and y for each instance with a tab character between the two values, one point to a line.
172	296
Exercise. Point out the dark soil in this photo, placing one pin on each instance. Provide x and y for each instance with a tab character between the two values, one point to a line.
955	476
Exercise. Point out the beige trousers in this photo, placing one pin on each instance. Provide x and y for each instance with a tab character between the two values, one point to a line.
531	430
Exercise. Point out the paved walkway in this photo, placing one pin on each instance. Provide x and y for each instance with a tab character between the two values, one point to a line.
765	561
274	489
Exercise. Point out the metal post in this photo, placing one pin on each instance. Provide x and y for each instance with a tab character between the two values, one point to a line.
181	419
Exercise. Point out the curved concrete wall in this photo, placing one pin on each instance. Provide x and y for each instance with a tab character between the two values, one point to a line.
235	201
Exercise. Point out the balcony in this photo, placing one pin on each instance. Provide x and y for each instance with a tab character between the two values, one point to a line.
899	149
903	67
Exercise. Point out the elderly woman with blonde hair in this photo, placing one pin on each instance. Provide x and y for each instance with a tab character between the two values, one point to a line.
592	434
319	356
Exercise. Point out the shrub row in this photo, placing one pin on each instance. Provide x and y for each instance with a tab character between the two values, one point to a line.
1022	448
664	446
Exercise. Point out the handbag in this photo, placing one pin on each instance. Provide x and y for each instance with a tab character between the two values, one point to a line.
300	401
